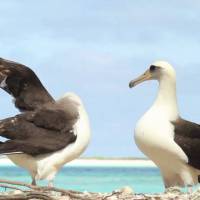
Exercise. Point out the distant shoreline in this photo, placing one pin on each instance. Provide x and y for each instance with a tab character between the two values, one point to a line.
98	162
112	158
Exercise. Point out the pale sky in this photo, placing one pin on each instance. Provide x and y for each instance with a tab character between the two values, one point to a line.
95	48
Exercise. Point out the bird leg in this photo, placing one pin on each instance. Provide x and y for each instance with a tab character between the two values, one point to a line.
33	182
50	183
189	189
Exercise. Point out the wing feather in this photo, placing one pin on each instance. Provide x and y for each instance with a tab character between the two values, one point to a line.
38	132
187	136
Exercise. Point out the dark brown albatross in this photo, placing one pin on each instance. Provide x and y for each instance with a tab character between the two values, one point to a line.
48	133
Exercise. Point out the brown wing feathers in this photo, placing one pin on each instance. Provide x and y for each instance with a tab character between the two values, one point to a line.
187	136
44	126
37	132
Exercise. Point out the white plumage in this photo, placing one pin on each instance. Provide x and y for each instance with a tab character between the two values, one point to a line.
154	132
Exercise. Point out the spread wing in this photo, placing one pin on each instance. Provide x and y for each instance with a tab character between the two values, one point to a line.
187	136
38	132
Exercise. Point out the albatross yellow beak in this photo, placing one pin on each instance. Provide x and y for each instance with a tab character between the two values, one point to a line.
144	77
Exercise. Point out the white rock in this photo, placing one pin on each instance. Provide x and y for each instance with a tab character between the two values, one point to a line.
112	198
126	190
16	192
64	198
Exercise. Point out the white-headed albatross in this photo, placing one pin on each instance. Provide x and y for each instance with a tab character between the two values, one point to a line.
48	133
171	142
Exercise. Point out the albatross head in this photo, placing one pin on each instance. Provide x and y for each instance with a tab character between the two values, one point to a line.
159	70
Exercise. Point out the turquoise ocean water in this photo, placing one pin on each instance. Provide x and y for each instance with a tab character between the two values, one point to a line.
97	179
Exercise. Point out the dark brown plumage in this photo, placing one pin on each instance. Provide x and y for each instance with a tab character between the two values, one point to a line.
38	132
45	126
23	84
187	136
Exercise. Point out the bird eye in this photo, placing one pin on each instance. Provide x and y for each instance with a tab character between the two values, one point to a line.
153	68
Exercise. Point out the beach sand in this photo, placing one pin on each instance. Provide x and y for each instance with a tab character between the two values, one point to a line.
93	162
121	194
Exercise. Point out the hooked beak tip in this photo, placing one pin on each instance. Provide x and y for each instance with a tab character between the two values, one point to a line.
144	77
131	84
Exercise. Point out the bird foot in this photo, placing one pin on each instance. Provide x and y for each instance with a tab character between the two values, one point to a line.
190	189
50	184
33	182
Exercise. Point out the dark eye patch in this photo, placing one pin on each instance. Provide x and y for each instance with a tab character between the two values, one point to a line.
153	68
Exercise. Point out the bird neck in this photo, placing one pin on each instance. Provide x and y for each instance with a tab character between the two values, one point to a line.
166	101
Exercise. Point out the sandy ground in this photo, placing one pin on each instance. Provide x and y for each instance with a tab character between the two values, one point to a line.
125	193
